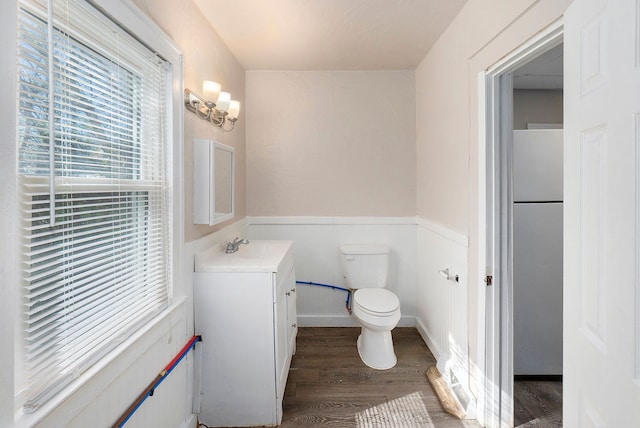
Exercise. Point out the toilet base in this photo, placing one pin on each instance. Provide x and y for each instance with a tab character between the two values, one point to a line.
376	349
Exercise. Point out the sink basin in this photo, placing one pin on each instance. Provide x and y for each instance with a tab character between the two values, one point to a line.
257	256
255	250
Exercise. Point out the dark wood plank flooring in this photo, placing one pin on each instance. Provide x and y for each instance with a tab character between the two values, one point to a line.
328	384
537	403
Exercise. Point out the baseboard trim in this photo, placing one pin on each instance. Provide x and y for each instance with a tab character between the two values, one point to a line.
422	329
190	422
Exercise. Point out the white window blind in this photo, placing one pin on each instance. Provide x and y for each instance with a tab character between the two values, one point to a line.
92	144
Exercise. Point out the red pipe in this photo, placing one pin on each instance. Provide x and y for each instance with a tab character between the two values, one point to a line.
182	352
148	392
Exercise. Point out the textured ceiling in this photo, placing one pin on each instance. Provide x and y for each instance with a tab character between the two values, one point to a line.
329	34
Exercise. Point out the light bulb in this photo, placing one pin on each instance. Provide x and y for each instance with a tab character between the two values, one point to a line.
210	90
234	109
224	99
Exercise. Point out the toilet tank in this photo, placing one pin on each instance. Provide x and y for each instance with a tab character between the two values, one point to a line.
365	266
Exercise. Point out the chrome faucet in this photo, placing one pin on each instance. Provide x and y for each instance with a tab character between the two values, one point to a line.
232	247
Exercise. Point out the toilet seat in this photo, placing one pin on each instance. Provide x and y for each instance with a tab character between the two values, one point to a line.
376	301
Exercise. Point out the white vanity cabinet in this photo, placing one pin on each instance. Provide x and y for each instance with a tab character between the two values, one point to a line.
246	314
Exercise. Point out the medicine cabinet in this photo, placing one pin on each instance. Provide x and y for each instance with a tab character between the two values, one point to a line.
212	182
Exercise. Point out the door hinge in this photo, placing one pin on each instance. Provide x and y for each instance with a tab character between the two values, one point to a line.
488	279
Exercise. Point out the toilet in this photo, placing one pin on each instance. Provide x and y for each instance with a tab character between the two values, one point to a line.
377	310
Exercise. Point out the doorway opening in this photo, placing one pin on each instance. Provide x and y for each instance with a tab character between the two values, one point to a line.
519	216
537	204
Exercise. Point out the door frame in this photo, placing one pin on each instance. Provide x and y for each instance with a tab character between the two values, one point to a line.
495	255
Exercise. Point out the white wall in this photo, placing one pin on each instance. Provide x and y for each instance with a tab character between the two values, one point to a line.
442	302
331	143
317	259
447	130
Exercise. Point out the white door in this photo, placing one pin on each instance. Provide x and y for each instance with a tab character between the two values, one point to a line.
602	125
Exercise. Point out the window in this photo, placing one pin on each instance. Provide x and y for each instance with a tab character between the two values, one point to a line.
93	144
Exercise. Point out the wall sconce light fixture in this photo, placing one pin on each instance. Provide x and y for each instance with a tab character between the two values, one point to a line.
221	112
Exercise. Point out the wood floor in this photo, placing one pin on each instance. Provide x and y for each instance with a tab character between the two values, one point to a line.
537	403
328	384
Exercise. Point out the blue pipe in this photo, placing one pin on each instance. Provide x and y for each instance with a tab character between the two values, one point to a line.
333	287
157	381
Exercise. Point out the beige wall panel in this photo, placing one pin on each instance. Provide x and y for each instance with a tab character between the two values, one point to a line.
205	58
331	143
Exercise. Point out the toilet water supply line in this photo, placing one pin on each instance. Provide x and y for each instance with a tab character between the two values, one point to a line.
148	392
334	287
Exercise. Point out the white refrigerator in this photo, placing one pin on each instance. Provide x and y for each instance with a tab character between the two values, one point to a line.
537	252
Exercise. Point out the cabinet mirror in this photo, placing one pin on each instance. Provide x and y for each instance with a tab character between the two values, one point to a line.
212	182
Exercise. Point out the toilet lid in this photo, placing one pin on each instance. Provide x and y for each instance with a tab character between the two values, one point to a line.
377	300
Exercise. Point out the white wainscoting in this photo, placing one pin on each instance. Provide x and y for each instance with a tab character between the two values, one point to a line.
442	303
317	259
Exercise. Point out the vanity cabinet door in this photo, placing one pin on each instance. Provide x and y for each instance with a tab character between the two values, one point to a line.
280	332
286	326
234	315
